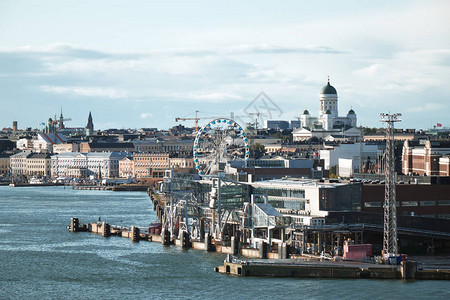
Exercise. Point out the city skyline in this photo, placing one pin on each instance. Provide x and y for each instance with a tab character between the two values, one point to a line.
140	65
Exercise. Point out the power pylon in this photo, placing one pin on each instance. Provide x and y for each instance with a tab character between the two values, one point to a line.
390	211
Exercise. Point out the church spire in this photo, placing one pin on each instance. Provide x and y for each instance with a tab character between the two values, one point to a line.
90	125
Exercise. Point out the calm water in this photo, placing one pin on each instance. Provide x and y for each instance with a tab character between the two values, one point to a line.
39	258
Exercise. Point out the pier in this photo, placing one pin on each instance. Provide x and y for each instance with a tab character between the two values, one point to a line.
259	241
308	268
260	262
115	188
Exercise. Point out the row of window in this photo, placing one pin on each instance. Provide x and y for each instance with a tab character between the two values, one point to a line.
278	192
411	203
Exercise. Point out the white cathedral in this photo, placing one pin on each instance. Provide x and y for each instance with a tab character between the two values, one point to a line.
328	126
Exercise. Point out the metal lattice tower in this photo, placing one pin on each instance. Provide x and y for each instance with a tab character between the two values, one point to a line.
390	210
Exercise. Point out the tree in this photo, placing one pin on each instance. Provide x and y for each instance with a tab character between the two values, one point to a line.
368	130
333	172
258	150
285	136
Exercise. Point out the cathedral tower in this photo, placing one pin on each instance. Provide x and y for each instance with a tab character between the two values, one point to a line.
90	126
328	101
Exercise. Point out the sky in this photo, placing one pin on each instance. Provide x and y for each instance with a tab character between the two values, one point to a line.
137	64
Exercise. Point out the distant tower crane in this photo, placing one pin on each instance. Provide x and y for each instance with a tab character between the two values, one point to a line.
299	122
62	120
257	114
186	119
196	118
390	245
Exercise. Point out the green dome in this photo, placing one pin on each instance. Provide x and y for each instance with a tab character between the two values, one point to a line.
306	112
328	112
328	90
351	112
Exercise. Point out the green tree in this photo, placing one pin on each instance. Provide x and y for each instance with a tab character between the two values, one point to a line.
283	137
259	147
258	150
333	172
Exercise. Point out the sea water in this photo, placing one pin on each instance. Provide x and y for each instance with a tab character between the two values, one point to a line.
41	259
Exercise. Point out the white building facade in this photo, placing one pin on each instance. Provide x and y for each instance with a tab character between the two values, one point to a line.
81	165
332	155
18	163
41	143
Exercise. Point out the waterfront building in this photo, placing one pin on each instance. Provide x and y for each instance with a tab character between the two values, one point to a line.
309	197
328	123
126	167
150	164
5	164
150	167
18	163
30	163
425	157
38	164
424	200
81	165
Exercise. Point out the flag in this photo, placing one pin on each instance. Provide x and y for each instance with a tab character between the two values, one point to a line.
439	125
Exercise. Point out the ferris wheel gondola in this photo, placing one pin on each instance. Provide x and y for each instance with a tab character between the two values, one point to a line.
218	142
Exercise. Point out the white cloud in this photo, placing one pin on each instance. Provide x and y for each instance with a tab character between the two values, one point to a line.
203	96
146	115
106	92
383	56
425	108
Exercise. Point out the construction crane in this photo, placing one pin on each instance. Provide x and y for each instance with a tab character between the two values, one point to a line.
187	119
257	114
51	123
62	120
196	118
299	122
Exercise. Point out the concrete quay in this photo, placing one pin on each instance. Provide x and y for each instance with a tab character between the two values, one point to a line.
137	234
309	269
116	188
274	264
25	184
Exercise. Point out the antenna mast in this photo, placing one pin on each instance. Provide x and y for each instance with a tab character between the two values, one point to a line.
390	245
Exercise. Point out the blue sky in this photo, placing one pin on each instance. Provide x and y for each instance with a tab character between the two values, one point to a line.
142	63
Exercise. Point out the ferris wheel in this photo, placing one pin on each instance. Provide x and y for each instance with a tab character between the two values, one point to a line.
218	142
